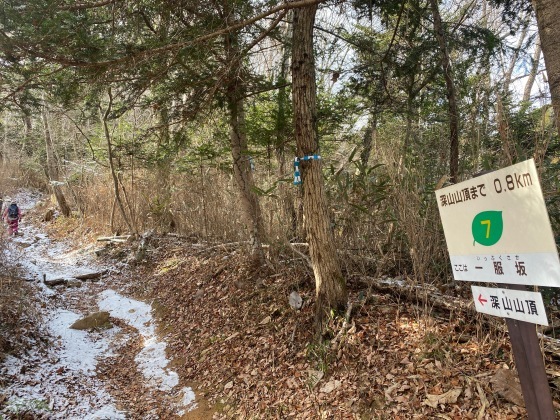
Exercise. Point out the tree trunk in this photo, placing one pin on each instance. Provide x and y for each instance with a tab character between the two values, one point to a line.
281	135
163	192
239	150
369	140
503	131
27	135
451	93
502	117
5	125
508	74
28	125
501	110
533	73
548	21
330	286
116	187
409	131
52	166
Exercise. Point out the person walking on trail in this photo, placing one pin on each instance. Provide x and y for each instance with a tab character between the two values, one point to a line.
12	216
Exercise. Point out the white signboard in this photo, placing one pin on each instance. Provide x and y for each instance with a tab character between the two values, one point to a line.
497	228
506	303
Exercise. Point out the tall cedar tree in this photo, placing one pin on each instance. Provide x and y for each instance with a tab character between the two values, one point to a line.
330	285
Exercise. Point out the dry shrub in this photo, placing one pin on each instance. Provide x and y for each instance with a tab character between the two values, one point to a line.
16	314
418	220
32	176
203	203
15	175
18	319
358	195
207	206
12	307
208	210
419	233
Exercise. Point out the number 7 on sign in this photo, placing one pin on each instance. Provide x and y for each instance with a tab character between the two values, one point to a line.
486	222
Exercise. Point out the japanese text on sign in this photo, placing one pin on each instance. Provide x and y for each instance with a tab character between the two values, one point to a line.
509	183
506	303
512	263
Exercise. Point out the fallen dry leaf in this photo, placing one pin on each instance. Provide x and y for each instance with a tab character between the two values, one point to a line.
450	397
506	384
330	386
315	376
483	400
389	391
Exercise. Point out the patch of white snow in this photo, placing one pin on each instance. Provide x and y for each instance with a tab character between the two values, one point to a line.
152	359
76	350
50	383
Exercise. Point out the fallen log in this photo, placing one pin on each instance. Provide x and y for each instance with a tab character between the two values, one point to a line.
117	239
430	296
55	282
89	276
417	293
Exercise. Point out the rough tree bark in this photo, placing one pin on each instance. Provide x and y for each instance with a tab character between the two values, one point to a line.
52	166
281	135
451	93
239	151
330	285
548	21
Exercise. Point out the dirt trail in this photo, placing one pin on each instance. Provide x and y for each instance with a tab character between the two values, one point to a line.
59	378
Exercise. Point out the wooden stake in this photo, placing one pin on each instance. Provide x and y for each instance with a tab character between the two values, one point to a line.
530	366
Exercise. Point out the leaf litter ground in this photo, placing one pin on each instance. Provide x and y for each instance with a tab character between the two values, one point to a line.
234	337
230	335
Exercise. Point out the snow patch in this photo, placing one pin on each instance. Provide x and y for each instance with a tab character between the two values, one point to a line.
49	383
390	281
137	314
151	360
76	350
106	412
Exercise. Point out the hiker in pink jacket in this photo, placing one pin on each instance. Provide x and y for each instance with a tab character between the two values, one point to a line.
12	216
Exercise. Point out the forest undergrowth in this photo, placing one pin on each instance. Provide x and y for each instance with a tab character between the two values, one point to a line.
234	338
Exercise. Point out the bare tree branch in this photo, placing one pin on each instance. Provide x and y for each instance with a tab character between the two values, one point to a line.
83	6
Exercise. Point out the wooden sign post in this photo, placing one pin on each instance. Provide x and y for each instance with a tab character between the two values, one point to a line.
530	367
497	231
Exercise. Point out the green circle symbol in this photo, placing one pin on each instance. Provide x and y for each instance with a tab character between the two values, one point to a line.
487	227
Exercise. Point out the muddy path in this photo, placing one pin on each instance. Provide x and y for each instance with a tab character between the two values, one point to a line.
77	373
